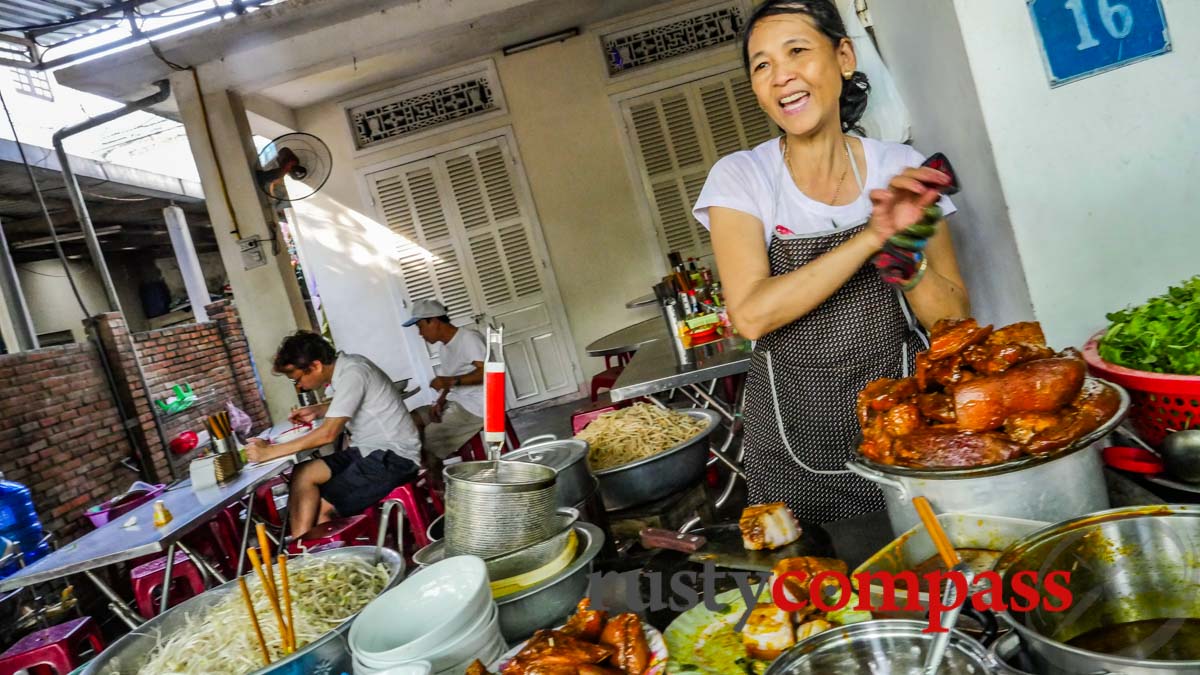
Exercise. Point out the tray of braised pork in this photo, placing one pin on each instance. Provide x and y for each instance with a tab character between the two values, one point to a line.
981	397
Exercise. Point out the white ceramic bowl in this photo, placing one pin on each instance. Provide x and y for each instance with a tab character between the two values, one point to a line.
467	645
492	651
410	668
417	617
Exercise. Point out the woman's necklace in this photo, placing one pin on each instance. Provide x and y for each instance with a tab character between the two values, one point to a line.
836	191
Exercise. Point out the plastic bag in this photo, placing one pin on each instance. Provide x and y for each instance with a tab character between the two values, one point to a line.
886	117
239	421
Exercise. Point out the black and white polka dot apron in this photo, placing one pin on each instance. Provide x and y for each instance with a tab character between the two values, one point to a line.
804	378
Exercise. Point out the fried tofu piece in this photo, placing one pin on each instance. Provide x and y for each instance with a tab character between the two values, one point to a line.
768	632
768	526
811	628
796	590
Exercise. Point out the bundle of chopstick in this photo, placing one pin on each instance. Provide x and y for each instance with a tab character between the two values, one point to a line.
283	614
217	426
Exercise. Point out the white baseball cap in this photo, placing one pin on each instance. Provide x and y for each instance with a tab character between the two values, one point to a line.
425	309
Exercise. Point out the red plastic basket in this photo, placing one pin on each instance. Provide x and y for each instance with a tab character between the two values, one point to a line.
1160	402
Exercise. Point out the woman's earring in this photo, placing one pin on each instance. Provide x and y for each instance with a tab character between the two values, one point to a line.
847	75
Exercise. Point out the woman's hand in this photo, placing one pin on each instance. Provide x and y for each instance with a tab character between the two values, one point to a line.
903	203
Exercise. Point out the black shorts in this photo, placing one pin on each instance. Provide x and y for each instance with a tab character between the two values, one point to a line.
360	482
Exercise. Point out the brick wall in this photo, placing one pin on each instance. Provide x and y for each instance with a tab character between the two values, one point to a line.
60	433
60	427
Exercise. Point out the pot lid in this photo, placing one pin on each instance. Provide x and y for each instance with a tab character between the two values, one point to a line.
557	455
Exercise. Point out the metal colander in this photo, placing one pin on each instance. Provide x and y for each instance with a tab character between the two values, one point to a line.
494	507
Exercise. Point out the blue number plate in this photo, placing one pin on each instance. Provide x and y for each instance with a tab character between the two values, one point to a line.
1085	37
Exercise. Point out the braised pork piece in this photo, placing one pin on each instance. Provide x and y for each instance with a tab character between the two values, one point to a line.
981	396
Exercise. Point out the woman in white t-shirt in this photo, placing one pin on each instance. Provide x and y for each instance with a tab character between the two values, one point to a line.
795	223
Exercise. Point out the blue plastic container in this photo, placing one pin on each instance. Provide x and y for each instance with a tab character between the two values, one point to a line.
19	521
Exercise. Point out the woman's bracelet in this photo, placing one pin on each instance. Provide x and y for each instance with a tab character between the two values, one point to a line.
916	279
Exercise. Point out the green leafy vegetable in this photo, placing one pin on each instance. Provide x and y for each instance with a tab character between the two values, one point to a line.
1160	336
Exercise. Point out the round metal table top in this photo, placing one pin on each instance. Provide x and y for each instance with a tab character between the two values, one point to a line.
629	338
642	301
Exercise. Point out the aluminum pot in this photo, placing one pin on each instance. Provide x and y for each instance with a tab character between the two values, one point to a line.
327	654
569	458
1066	484
1139	564
892	646
548	603
493	507
662	474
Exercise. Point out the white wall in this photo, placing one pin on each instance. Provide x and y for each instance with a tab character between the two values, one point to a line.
923	47
568	135
1099	175
52	305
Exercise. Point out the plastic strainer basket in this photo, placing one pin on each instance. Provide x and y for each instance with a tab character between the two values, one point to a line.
1160	402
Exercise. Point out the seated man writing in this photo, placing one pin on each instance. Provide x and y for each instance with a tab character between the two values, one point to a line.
457	415
387	446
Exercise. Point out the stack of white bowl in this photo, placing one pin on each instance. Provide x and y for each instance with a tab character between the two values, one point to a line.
444	615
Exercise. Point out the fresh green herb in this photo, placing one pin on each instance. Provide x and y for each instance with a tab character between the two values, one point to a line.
1160	336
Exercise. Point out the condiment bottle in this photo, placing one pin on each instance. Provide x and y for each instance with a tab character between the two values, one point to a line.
161	515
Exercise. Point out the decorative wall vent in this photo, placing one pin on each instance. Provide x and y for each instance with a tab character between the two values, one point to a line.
647	44
411	109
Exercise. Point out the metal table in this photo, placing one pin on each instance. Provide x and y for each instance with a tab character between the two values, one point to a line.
654	368
629	339
642	301
113	543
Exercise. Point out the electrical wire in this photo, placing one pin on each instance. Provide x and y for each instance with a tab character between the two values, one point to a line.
45	212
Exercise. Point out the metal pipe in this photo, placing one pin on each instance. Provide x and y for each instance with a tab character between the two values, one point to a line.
164	603
72	184
117	605
14	299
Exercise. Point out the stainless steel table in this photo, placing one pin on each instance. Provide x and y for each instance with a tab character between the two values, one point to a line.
113	542
629	338
642	301
654	368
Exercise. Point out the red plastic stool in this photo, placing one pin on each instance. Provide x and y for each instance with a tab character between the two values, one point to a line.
352	531
56	650
606	378
411	497
148	578
264	501
218	541
474	450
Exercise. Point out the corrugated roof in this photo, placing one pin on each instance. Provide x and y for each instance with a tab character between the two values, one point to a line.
51	22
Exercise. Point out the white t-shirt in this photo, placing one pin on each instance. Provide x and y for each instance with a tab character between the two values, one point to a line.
458	358
757	183
379	420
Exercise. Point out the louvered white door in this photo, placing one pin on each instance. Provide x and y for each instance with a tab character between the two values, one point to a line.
468	239
677	134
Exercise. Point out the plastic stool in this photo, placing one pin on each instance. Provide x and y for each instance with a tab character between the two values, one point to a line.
607	378
264	501
217	540
474	450
416	512
148	578
56	650
352	531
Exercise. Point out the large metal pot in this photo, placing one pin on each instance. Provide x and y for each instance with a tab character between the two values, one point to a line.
1128	565
1063	485
893	646
661	474
551	601
493	507
569	458
328	654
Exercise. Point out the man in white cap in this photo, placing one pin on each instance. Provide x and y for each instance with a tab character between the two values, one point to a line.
457	415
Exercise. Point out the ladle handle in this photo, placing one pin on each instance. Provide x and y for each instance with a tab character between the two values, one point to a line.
936	533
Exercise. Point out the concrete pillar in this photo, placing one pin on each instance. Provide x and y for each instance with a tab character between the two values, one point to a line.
189	264
268	296
14	303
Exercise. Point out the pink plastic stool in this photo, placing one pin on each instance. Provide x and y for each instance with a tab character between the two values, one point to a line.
148	578
352	531
416	512
56	650
473	450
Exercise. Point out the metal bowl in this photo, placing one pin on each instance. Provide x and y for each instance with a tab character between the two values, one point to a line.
516	562
661	474
548	603
1139	564
893	646
327	654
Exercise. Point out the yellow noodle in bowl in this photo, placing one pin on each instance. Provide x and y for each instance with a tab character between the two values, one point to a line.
630	434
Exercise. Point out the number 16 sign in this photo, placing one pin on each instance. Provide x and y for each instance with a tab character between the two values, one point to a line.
1085	37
